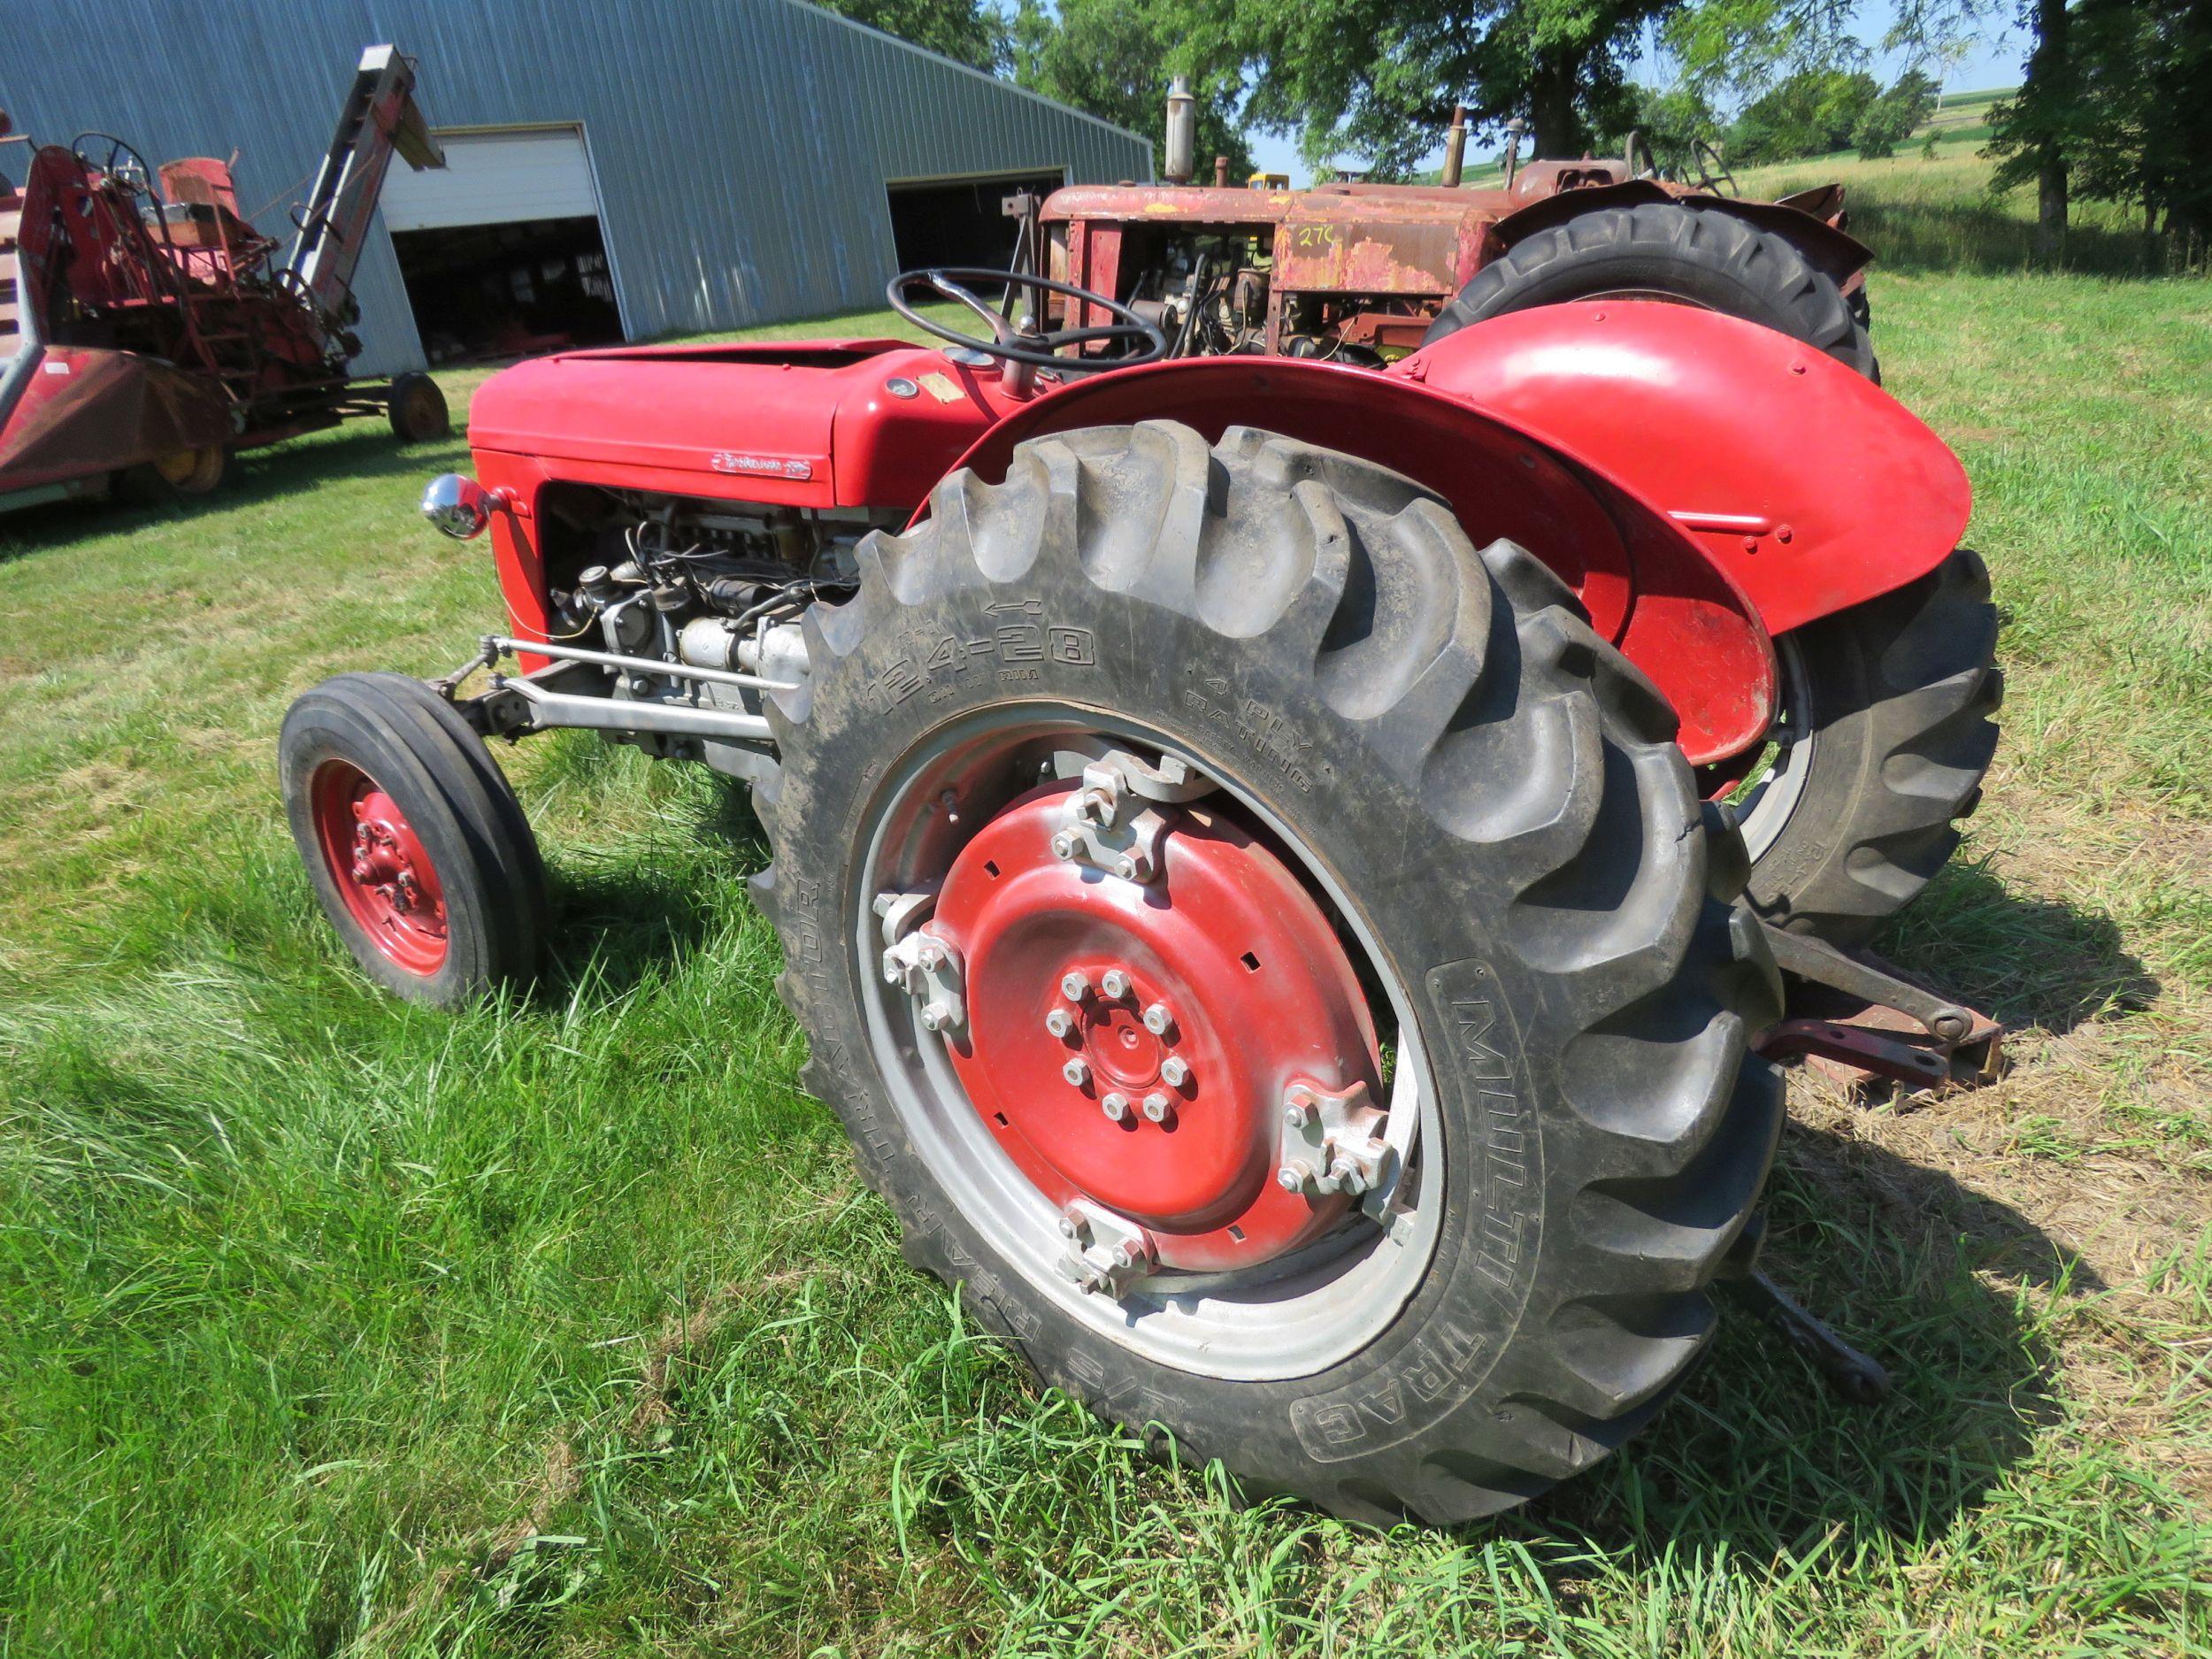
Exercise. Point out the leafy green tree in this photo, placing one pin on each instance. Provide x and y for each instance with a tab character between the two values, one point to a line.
1110	58
966	31
1892	118
2118	106
2033	131
1379	78
1812	113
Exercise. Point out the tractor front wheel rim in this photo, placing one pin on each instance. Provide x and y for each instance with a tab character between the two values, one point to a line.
1110	1071
380	867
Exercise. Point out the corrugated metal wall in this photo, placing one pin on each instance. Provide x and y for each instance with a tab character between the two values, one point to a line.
741	146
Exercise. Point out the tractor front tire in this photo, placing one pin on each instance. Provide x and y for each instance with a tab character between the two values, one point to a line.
416	847
1420	757
1699	256
1888	719
417	408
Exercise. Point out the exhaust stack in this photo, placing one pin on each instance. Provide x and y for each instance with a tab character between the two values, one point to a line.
1456	145
1182	131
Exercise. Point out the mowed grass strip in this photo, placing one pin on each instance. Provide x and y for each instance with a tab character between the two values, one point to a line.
564	1326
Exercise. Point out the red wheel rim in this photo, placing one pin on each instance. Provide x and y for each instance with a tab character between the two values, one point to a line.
1249	988
377	865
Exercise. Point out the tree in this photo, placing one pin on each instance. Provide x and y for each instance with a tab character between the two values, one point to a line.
2118	106
1891	119
1812	113
1379	78
2031	130
966	31
1109	59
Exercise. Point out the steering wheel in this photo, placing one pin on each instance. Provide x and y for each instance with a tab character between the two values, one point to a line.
1026	344
120	150
1637	146
1713	173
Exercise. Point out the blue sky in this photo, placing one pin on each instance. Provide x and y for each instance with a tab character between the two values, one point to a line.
1997	59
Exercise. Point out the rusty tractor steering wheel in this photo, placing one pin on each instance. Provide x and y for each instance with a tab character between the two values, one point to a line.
1023	343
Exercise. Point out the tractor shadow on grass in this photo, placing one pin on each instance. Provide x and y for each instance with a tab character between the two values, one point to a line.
2025	961
621	920
1756	1457
359	449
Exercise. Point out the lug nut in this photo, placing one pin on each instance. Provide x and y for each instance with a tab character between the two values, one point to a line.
1116	1106
1155	1107
1115	984
1076	1072
1296	1116
1126	868
1064	845
1075	986
1156	1020
1175	1070
1292	1178
1059	1022
1070	1228
935	1017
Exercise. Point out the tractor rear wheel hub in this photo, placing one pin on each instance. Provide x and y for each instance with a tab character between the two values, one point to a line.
1130	1043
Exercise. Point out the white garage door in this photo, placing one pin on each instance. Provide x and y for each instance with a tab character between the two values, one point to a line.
495	179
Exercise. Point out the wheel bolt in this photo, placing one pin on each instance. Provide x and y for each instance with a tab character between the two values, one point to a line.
1069	1227
1064	845
934	1017
1174	1071
1155	1107
1114	984
1116	1106
1292	1178
1076	1072
1075	986
1296	1116
1156	1020
1126	868
1059	1022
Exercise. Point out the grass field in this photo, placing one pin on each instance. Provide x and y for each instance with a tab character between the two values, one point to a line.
564	1327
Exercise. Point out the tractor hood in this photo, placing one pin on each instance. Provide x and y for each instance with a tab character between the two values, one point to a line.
740	422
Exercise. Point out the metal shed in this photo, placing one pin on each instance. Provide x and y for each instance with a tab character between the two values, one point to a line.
743	155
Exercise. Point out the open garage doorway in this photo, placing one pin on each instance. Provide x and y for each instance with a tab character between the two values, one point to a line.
960	221
502	250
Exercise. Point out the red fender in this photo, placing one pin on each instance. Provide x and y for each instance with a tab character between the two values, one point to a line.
1703	483
1811	486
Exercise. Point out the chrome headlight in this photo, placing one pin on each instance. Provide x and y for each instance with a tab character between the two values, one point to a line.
457	506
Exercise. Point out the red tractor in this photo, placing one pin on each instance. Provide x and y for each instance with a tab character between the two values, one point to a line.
148	331
1249	836
1363	273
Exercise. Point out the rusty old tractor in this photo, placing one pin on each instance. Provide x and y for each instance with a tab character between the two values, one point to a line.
1365	273
1289	872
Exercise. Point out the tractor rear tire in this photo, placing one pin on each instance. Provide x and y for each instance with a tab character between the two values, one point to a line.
417	408
1486	798
1896	734
1665	251
416	847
